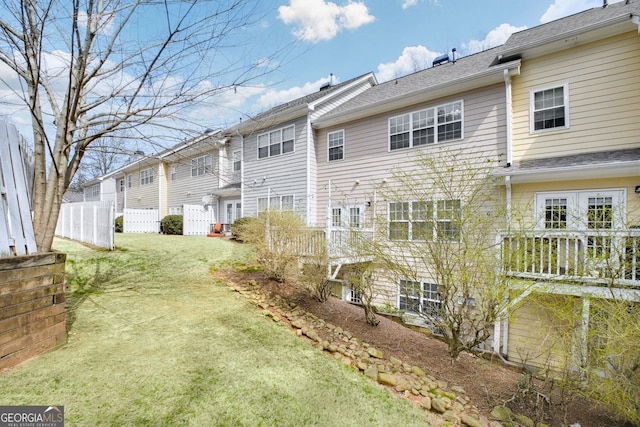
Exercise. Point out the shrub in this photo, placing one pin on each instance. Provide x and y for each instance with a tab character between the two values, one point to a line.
171	224
239	226
272	234
119	226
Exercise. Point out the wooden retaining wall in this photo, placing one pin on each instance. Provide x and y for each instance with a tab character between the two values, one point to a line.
32	306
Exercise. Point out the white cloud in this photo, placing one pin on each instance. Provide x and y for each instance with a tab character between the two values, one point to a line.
276	97
561	8
412	59
408	3
102	22
494	38
318	20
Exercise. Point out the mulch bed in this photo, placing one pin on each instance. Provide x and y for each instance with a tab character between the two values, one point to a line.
487	382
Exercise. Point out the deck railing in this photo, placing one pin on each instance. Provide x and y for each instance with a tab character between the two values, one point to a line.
341	243
599	256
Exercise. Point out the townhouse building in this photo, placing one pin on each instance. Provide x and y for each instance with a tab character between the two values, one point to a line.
556	109
279	150
572	176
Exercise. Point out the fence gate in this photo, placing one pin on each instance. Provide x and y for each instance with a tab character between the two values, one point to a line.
141	221
88	222
16	183
197	220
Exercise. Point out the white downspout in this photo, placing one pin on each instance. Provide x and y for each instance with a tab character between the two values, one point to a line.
509	130
308	195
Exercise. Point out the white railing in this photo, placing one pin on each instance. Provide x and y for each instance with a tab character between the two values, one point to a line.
88	222
598	256
342	243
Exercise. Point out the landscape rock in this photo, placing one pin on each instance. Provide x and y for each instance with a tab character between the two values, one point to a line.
426	403
451	417
373	352
415	370
439	405
470	421
387	379
524	420
502	413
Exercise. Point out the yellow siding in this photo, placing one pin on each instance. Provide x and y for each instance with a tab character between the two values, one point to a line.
604	99
523	196
537	336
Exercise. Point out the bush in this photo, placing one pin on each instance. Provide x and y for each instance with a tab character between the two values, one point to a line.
239	226
272	235
171	224
119	227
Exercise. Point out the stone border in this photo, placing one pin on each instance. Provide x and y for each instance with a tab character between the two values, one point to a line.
449	403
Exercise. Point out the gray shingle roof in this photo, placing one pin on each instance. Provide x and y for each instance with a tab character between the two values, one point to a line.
557	28
448	72
300	102
582	159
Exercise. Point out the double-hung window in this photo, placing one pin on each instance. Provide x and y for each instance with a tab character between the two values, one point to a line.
121	185
280	203
420	297
95	190
428	126
550	108
174	172
424	220
276	142
146	176
335	144
236	160
201	165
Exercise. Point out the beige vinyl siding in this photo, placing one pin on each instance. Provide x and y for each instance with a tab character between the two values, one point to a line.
537	336
187	189
368	160
604	98
281	175
144	196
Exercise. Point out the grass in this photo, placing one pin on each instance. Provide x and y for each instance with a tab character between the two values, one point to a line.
154	340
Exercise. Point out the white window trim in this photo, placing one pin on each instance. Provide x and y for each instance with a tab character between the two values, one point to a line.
329	147
345	216
146	176
121	185
576	207
268	146
279	207
236	159
206	168
532	93
129	180
174	172
435	126
435	220
422	298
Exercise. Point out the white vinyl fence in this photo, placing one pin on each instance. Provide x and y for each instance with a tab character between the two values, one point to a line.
141	221
197	220
88	222
16	184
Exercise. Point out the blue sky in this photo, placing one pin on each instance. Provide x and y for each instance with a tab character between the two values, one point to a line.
389	37
346	38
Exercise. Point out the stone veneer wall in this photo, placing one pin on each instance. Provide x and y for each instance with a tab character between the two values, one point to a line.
33	312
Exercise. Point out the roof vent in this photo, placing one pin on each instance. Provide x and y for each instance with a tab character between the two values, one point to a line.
441	59
325	86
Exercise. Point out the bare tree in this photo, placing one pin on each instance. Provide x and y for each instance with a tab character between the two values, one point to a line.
442	216
91	68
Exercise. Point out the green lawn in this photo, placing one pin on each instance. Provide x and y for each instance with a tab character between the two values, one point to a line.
155	340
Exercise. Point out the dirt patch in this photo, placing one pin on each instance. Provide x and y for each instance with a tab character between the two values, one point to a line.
487	382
